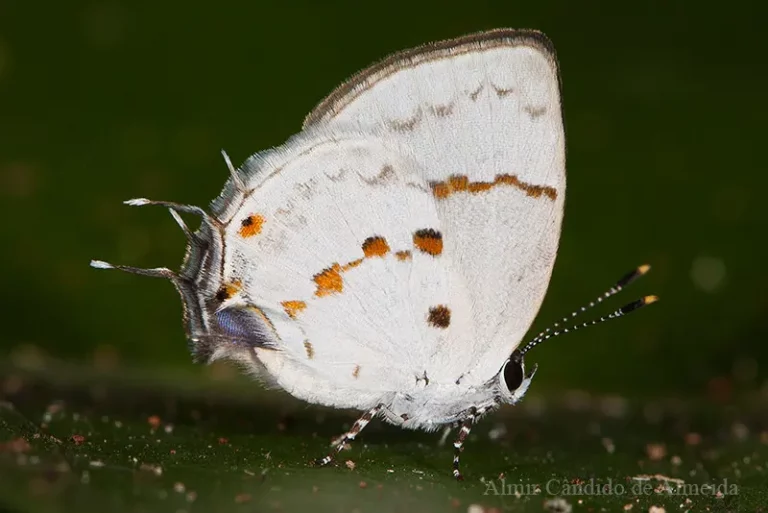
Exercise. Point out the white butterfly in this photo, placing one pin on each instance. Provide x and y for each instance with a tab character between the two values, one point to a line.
392	255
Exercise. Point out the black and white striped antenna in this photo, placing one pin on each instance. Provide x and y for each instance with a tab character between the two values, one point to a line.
555	330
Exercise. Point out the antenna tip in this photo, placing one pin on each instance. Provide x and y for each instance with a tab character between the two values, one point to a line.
137	202
647	300
632	276
100	264
634	305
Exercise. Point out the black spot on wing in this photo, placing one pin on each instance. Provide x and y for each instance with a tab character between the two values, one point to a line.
439	316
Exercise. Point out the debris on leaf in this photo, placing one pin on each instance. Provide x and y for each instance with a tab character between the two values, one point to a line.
77	439
557	505
655	451
614	406
350	464
51	410
242	498
155	469
740	431
692	439
659	477
154	421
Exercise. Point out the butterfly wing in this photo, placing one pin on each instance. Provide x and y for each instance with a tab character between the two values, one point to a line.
333	257
481	117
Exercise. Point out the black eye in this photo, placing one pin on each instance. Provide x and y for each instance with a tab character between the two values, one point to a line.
513	374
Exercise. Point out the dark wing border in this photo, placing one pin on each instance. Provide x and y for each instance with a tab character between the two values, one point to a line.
358	83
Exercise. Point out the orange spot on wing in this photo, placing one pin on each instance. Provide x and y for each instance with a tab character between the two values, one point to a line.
352	264
534	191
292	308
461	183
329	281
476	187
251	225
441	190
458	183
375	247
429	241
235	285
228	290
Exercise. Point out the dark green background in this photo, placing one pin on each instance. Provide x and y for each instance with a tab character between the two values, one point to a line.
103	101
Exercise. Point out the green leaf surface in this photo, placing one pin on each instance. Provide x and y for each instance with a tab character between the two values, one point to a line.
82	442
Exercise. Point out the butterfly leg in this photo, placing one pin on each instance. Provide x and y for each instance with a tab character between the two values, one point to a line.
350	435
458	445
446	432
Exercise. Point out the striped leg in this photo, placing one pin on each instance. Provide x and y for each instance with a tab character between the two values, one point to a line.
349	435
458	445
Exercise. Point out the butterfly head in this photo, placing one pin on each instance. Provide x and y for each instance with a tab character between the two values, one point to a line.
513	380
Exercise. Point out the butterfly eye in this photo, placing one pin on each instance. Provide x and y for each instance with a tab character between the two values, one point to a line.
513	374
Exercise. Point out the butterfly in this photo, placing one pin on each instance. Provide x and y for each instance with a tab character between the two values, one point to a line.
392	255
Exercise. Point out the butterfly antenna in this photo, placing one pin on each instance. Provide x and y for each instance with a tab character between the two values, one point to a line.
615	289
174	209
624	310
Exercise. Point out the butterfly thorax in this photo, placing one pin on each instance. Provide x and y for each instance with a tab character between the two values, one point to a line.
438	405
